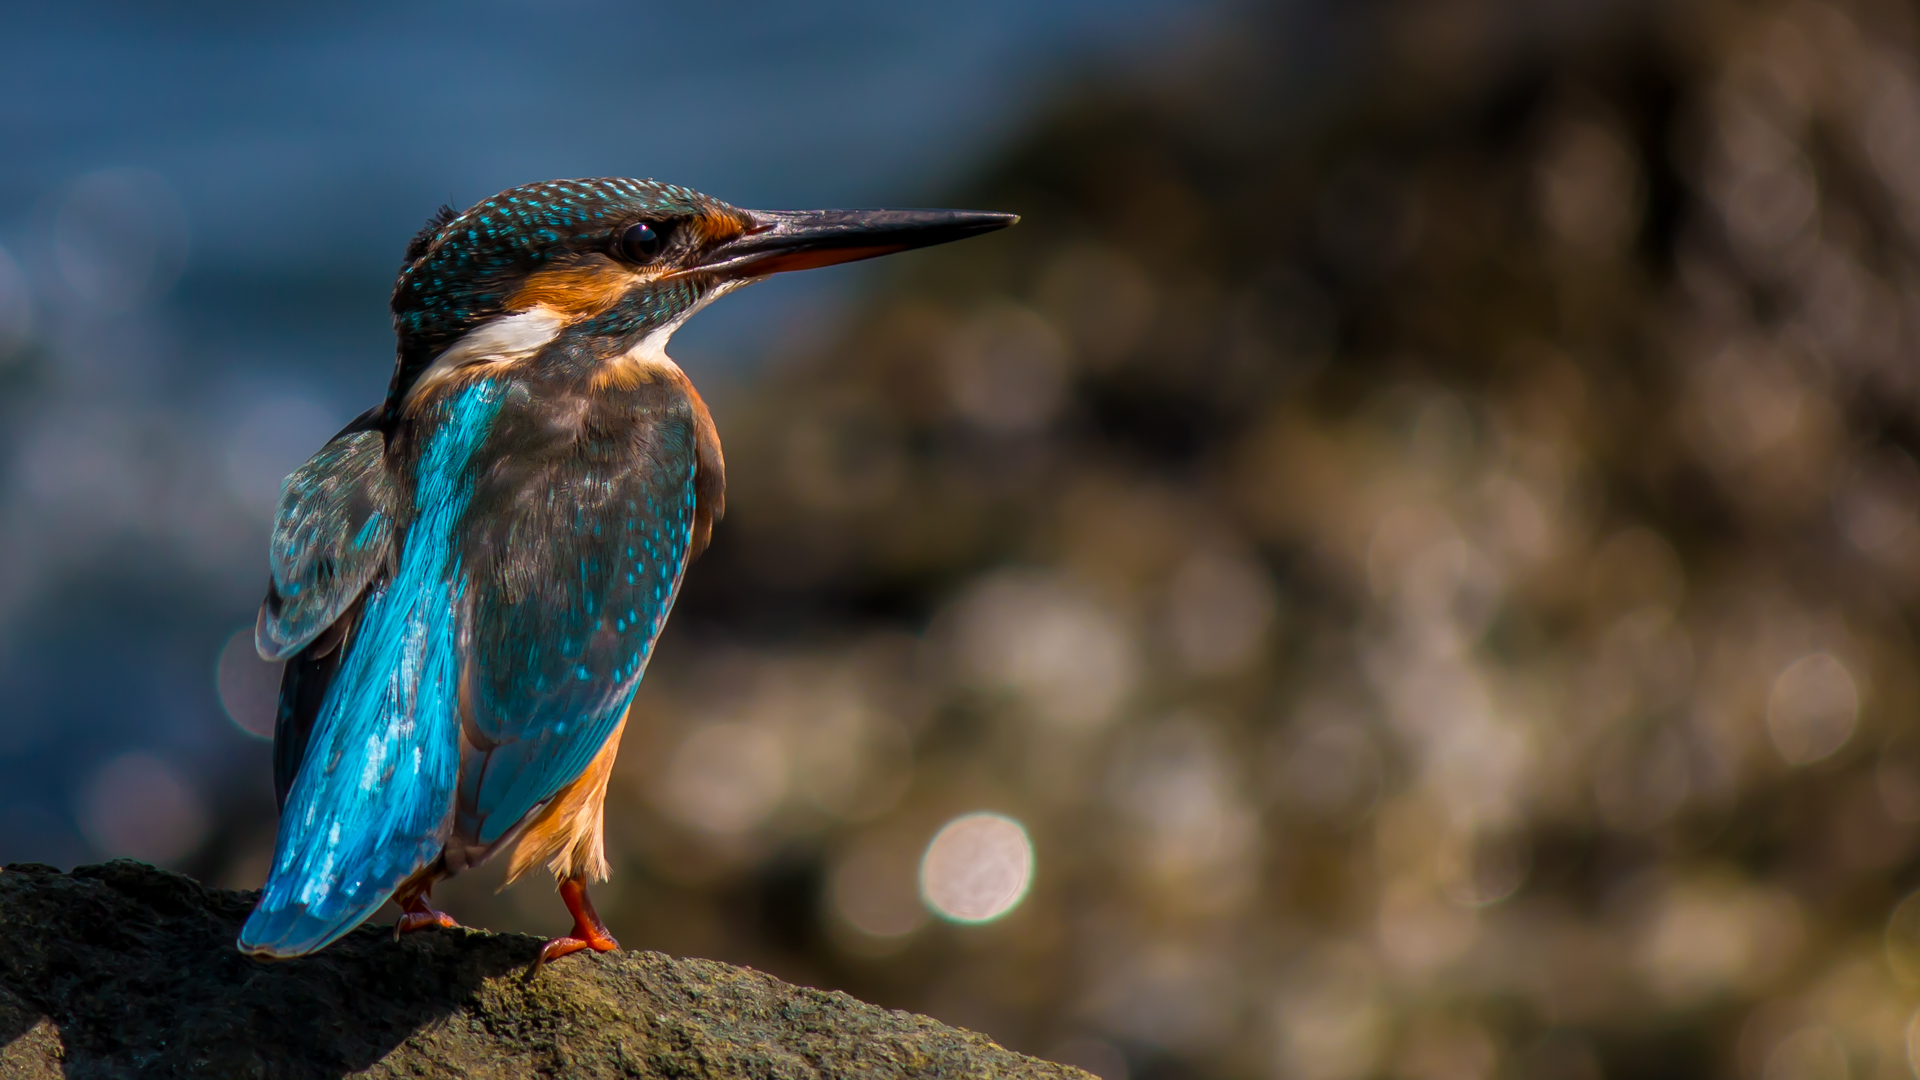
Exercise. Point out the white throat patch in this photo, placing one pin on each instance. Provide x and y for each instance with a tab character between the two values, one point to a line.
651	349
498	341
511	338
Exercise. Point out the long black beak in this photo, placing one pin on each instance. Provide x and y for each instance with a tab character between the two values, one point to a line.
782	240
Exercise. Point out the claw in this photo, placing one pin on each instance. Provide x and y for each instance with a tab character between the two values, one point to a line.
420	920
416	915
588	931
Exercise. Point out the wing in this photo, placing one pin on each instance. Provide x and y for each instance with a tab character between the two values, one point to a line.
332	533
579	563
303	689
369	804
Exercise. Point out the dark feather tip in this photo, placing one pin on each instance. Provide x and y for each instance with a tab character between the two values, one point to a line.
424	238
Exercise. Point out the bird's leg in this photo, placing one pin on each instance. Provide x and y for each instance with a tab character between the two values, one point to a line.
416	915
588	931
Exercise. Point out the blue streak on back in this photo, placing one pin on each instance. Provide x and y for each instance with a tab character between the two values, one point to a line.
371	803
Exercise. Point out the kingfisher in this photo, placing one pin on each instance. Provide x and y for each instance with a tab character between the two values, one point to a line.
468	580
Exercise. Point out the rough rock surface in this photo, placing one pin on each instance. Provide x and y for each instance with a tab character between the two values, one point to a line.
125	970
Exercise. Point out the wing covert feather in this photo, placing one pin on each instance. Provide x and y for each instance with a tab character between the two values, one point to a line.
332	533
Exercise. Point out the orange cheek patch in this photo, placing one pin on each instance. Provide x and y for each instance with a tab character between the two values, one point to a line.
719	226
578	291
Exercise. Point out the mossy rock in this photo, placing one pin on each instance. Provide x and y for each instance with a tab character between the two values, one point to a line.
125	970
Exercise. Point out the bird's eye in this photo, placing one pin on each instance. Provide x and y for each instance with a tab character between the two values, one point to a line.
642	241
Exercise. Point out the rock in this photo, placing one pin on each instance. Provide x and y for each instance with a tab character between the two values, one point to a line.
125	970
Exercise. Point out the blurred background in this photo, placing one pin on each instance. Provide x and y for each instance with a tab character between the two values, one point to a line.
1403	564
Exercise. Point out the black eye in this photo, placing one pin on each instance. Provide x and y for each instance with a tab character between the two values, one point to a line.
641	242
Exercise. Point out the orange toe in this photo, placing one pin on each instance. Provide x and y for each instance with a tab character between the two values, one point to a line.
420	920
557	948
416	915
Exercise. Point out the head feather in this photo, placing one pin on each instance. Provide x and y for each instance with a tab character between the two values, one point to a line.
423	239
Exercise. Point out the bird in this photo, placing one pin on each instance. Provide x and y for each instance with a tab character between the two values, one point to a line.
467	582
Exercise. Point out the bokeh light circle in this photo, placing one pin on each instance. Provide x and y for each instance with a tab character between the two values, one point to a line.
977	868
120	238
1813	709
872	889
249	686
141	806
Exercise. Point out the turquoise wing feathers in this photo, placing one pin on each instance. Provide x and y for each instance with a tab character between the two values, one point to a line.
370	804
332	533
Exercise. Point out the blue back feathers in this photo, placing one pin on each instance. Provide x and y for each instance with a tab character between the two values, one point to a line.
370	805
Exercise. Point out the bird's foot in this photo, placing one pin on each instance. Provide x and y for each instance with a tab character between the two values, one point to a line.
416	915
588	931
420	920
581	938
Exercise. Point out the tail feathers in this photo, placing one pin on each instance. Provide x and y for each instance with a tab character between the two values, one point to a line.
301	913
295	931
372	801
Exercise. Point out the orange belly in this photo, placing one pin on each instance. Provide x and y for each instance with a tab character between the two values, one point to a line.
567	833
